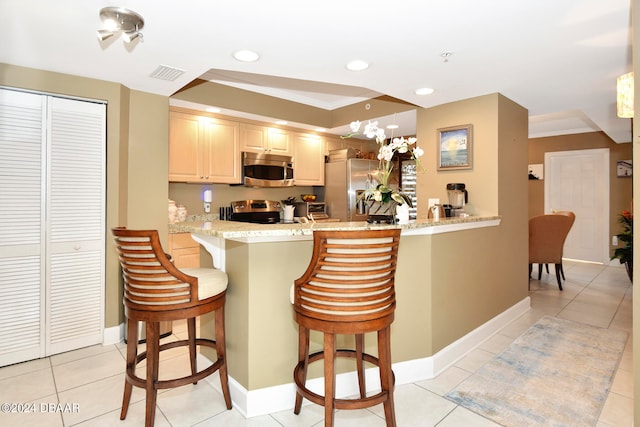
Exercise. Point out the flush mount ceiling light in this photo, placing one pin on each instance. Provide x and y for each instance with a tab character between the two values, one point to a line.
357	65
120	20
246	56
424	91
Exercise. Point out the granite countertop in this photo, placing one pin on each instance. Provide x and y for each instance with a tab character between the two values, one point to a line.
263	232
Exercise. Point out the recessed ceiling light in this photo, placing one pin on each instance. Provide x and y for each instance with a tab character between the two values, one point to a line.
212	109
424	91
357	65
281	122
392	126
320	129
246	56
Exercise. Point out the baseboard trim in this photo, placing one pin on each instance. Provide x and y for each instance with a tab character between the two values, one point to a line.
113	335
253	403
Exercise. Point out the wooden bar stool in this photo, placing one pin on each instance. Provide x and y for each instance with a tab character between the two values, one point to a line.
348	288
156	291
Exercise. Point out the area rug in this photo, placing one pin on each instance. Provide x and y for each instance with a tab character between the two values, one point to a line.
558	373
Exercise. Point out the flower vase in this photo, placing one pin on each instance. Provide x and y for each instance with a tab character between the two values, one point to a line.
382	212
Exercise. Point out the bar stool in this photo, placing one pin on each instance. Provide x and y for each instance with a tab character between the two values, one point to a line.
156	291
348	288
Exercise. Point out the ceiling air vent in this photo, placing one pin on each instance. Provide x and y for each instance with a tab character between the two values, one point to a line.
167	73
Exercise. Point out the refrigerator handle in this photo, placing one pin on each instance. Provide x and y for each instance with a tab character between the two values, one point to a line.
361	207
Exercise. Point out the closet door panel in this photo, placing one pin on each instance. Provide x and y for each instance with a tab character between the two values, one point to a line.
22	135
76	222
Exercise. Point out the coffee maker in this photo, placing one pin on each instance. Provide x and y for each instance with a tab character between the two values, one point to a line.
458	197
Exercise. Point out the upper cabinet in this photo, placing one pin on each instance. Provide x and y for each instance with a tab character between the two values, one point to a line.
203	149
261	139
308	159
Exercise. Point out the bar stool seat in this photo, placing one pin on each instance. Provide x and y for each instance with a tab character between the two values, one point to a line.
156	291
348	288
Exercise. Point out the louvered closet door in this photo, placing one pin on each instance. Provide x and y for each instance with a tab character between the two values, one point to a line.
75	238
52	153
22	305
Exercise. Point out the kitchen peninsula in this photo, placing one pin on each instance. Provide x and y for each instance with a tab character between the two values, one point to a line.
442	310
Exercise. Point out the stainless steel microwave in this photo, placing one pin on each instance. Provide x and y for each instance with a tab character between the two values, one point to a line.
266	170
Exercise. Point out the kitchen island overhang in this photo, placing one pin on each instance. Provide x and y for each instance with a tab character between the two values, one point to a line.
449	299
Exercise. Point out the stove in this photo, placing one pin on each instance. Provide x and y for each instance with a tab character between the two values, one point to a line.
256	211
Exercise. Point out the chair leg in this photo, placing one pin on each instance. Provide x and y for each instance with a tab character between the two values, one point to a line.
153	356
530	269
558	268
221	351
303	357
539	271
562	271
547	267
360	365
130	370
386	374
191	332
329	378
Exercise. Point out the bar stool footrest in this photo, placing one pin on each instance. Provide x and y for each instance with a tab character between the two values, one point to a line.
355	403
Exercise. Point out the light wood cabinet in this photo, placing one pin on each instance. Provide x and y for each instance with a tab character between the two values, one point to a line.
203	149
184	251
308	159
262	139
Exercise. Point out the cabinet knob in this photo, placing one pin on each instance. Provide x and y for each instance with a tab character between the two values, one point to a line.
76	247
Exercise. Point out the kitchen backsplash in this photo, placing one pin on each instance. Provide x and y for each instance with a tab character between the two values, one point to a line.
190	195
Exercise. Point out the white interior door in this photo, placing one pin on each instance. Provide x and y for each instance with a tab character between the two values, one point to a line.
578	181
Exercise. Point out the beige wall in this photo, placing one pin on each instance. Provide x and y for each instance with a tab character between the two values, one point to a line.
488	273
620	189
137	136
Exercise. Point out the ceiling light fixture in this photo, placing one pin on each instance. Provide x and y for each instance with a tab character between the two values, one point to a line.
246	56
357	65
120	20
424	91
625	96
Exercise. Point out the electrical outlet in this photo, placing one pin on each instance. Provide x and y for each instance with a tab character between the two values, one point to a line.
614	240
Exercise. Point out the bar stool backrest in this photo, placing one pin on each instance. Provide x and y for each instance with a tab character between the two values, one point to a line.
351	276
151	281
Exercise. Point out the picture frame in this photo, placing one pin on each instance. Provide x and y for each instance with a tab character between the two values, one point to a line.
624	169
455	148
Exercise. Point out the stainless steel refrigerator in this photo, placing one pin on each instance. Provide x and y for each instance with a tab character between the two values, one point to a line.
345	179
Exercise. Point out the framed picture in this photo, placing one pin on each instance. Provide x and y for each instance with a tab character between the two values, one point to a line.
455	147
625	168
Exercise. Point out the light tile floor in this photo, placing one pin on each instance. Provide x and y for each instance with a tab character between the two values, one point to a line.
92	378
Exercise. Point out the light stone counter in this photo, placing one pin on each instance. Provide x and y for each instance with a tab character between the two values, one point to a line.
253	233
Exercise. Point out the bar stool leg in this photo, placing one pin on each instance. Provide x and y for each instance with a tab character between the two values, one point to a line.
221	351
360	364
132	353
303	357
329	378
386	374
153	350
191	332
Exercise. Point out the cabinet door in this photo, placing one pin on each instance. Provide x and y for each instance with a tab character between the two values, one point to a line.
279	142
185	150
308	159
253	138
223	152
185	252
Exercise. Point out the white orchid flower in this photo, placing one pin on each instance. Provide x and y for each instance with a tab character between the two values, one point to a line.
412	140
371	129
418	152
377	196
355	126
